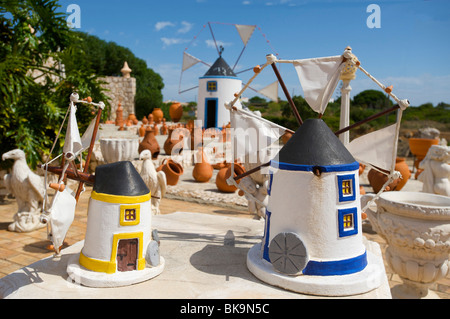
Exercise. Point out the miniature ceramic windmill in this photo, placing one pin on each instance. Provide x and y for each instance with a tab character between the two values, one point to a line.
120	246
313	239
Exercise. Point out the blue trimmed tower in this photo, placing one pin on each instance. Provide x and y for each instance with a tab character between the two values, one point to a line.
217	87
313	239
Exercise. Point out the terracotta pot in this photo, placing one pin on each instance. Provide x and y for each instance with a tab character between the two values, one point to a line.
402	167
286	137
170	143
377	180
203	171
157	115
142	130
176	112
173	171
224	174
419	147
150	143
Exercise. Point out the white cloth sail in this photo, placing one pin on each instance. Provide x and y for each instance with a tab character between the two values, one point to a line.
87	136
319	78
72	144
375	148
245	32
270	91
189	61
61	216
252	133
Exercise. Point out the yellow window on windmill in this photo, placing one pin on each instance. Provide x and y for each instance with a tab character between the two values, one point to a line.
129	215
347	221
347	187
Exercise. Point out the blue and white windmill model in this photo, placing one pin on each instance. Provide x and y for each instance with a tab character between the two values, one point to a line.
313	240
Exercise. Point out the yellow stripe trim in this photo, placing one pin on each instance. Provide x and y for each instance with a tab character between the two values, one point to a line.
117	199
97	265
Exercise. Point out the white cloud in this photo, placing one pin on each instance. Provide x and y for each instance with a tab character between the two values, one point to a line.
171	41
246	2
211	44
186	27
163	24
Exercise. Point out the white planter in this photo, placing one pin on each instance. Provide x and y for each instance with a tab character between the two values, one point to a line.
416	227
119	149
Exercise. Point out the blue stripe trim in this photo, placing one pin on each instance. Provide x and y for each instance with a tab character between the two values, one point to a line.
219	77
309	168
336	268
266	236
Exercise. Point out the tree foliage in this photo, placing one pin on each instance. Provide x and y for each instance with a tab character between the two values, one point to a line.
34	85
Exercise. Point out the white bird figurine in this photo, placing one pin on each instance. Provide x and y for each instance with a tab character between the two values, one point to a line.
28	189
155	181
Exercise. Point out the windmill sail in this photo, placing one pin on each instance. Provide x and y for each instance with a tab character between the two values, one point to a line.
252	133
72	144
189	61
375	148
245	32
270	91
62	215
319	78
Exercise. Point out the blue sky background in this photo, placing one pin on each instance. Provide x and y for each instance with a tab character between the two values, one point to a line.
411	50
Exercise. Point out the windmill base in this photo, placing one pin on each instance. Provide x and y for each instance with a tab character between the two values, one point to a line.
372	277
89	278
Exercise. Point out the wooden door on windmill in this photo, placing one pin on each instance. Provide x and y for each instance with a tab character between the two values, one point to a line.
127	254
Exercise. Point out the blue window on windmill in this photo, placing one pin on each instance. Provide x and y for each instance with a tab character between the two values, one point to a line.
348	222
211	86
346	185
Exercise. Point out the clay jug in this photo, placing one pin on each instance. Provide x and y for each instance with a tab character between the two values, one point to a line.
119	116
173	171
224	174
150	143
142	130
402	167
377	180
170	143
203	171
176	112
157	115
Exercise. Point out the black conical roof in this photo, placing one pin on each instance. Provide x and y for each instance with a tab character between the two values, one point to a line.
220	68
316	145
119	178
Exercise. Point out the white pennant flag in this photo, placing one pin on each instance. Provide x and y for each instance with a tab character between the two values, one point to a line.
319	78
245	31
189	61
252	133
61	216
375	148
72	144
271	91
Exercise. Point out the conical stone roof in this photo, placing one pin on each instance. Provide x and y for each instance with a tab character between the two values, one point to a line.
220	68
314	144
120	179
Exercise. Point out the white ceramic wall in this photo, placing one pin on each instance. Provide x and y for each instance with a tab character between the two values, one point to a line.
308	205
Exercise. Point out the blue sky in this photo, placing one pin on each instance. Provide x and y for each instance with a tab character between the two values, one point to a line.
410	50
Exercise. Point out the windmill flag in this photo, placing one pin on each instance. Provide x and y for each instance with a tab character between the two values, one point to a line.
189	61
245	32
270	91
72	143
319	78
375	148
252	133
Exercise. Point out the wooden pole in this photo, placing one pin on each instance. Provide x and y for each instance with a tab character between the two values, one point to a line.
370	118
253	170
286	92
